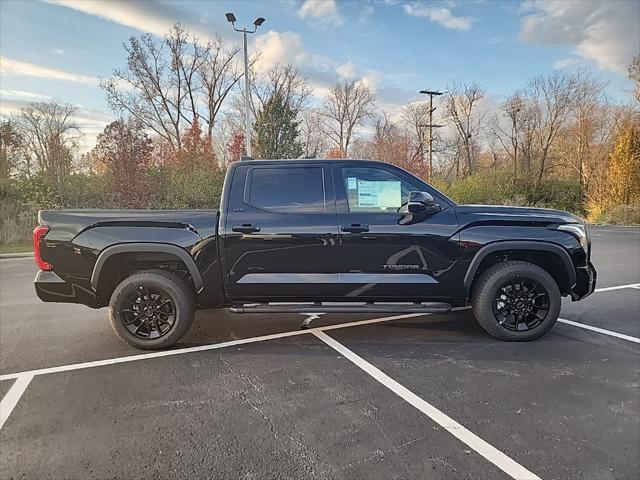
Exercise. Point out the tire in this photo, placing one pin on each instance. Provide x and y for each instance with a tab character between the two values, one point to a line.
151	310
504	311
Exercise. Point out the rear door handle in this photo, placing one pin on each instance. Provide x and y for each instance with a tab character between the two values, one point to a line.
355	228
245	228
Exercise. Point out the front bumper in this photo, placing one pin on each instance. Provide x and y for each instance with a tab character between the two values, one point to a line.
585	282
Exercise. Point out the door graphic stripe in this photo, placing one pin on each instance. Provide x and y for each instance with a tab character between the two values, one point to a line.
343	278
385	278
289	278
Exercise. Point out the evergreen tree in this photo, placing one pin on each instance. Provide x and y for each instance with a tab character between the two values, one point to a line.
276	130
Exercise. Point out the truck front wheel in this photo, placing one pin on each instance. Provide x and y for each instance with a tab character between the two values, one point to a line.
151	309
516	301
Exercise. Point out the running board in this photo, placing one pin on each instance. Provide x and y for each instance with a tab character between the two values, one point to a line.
341	307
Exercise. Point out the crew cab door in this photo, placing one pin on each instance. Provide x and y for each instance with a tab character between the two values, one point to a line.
280	232
385	252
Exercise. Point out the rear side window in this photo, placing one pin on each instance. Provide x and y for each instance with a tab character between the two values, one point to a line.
288	190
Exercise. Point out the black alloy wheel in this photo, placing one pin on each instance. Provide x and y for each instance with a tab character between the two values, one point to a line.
521	304
152	309
516	300
150	313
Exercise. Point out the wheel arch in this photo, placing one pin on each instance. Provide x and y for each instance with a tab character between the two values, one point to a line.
109	254
550	256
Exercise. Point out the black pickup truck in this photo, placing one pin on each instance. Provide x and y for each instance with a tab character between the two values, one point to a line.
315	236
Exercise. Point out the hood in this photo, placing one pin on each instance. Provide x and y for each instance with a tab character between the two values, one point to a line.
491	213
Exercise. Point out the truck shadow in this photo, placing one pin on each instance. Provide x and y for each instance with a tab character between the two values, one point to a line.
215	326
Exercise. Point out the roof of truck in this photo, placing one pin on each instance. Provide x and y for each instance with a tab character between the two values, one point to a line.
295	160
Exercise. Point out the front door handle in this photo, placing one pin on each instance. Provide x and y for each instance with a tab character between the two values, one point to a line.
245	228
355	228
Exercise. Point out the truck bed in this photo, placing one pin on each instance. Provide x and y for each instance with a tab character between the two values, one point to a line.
69	223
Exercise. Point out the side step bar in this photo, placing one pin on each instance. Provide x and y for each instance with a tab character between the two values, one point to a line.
341	307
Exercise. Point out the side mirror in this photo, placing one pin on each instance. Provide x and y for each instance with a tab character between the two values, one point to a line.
422	203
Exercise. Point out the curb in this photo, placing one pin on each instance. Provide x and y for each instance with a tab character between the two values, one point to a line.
16	255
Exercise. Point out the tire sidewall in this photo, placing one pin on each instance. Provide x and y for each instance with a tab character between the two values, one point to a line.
169	284
494	278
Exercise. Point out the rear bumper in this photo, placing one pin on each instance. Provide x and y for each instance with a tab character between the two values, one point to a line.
51	288
585	282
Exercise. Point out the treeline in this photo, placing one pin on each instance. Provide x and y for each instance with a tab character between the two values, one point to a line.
557	142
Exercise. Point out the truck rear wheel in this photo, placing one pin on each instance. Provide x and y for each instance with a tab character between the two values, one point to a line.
516	301
151	309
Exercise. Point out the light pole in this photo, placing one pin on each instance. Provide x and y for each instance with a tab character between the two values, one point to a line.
231	18
431	126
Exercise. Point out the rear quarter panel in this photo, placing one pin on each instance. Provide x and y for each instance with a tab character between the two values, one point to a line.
74	256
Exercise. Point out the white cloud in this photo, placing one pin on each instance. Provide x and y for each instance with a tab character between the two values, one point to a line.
275	47
10	66
565	63
58	51
148	16
440	15
606	32
323	11
347	71
288	48
22	95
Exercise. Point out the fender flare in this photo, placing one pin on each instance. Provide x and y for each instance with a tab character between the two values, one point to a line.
519	245
174	250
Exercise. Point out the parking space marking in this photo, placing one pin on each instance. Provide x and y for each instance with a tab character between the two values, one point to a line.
488	451
600	330
200	348
619	287
12	397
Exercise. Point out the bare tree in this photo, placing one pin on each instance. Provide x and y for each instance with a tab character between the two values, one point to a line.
218	74
283	80
346	107
169	83
552	100
286	81
634	74
415	116
50	135
314	142
589	93
515	112
460	109
11	148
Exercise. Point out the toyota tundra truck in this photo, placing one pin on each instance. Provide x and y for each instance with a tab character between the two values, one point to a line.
335	236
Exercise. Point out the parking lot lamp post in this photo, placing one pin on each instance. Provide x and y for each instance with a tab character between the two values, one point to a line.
231	18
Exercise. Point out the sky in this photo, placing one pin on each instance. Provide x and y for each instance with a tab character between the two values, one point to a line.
59	49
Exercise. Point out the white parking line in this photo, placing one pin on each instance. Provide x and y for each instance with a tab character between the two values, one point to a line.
619	287
200	348
488	451
12	397
600	330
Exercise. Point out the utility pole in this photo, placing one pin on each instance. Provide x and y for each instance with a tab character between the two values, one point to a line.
231	18
431	126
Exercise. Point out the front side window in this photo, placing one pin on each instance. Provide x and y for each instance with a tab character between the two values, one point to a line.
375	190
288	190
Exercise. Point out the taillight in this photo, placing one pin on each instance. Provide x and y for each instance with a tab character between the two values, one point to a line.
38	234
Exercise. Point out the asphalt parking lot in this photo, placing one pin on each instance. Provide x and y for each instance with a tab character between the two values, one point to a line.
409	396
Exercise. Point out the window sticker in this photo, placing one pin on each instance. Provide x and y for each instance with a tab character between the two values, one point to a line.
379	194
352	183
